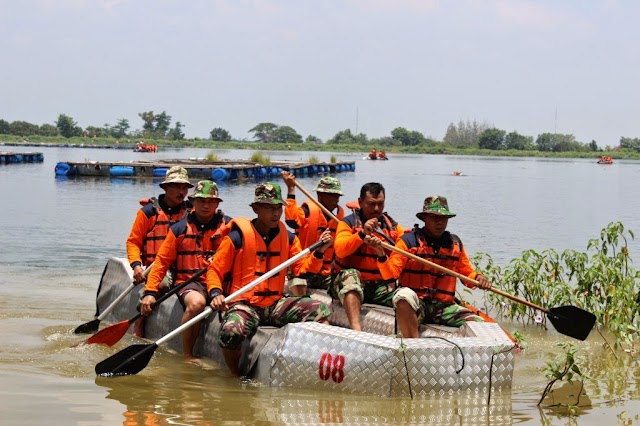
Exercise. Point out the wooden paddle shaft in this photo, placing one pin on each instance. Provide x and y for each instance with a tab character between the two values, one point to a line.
425	261
121	296
207	311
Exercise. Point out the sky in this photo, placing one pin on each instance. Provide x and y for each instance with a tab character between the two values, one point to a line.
324	66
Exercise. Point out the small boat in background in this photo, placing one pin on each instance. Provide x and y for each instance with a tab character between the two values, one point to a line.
143	147
605	160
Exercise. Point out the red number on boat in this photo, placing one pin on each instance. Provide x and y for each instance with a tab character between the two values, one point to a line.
330	366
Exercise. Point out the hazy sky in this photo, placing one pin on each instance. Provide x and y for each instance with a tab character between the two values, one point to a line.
419	64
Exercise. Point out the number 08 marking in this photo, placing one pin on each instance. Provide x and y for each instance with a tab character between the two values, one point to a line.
331	367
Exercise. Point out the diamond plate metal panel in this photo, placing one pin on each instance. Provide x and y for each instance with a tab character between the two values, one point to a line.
446	361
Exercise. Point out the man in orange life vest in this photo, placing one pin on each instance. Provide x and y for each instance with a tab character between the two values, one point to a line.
189	246
309	222
252	248
426	294
152	224
359	280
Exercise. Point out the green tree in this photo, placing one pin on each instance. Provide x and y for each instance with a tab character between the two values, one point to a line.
515	140
99	132
176	133
23	128
407	137
313	139
220	134
545	142
286	134
630	143
5	127
264	132
451	137
593	146
120	129
148	118
492	139
67	127
162	124
48	130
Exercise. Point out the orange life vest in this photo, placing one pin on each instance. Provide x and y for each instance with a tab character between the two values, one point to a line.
162	221
365	259
428	282
196	248
315	226
253	259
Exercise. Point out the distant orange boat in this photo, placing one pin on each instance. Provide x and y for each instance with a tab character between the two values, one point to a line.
605	160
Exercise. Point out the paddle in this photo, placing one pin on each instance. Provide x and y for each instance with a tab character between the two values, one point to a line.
568	320
133	359
112	334
92	326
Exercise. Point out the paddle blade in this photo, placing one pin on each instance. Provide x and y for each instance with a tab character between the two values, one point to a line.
130	360
88	327
109	335
572	321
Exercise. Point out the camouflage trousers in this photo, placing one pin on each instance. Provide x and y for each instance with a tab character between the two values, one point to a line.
242	320
432	311
378	292
317	281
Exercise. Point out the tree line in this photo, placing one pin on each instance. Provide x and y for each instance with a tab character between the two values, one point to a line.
462	135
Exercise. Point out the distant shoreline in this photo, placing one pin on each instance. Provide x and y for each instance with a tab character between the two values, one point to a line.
79	142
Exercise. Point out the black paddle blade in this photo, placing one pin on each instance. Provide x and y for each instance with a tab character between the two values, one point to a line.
572	321
130	360
88	327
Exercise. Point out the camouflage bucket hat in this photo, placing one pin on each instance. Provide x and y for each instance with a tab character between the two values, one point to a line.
435	204
176	174
330	185
268	193
206	189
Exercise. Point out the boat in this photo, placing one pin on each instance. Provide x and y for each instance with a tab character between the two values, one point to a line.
605	160
477	358
143	147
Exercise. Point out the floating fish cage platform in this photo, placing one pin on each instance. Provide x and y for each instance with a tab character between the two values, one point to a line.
200	169
21	157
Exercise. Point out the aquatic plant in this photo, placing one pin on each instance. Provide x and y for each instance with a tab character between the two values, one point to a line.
258	157
601	281
313	160
564	367
333	159
212	156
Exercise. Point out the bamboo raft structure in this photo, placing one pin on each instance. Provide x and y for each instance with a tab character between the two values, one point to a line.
221	170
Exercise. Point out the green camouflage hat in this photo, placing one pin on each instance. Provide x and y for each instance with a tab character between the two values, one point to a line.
436	204
176	174
206	189
268	193
330	185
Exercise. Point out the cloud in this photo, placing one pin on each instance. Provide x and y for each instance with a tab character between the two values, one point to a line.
528	13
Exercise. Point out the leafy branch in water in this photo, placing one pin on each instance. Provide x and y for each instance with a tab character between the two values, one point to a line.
601	281
564	367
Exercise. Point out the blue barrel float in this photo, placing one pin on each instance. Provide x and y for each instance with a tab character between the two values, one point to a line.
160	171
219	174
63	169
121	171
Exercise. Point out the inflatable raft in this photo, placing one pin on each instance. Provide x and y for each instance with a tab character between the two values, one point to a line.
476	358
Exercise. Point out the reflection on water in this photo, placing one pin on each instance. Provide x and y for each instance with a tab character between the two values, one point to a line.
186	397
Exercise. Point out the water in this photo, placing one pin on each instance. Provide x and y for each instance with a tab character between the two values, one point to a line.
57	234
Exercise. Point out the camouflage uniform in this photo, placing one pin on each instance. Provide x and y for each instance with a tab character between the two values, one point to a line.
241	320
432	311
328	185
378	292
